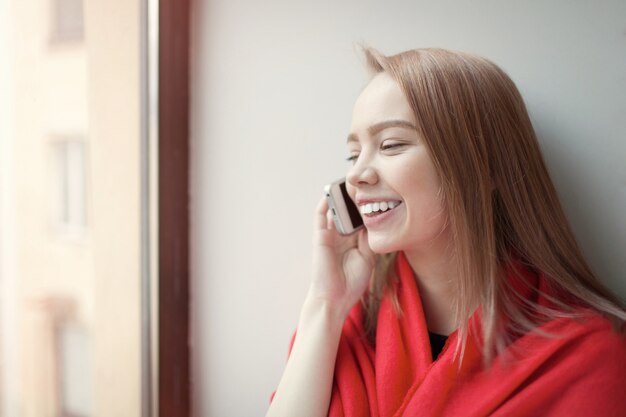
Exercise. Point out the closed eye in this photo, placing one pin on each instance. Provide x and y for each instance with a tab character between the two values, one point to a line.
391	145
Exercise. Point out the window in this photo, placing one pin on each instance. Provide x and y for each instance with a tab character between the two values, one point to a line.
75	370
80	132
68	187
72	315
67	20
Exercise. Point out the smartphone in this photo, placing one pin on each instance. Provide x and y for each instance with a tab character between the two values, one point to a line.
345	213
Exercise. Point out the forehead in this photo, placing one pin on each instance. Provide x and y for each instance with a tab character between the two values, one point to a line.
381	100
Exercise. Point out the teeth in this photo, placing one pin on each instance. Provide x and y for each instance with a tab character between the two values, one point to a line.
378	206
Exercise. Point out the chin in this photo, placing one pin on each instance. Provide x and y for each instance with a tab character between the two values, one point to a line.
382	244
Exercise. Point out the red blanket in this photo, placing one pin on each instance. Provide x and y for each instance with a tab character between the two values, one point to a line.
582	372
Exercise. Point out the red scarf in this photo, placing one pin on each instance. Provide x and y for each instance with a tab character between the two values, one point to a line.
581	372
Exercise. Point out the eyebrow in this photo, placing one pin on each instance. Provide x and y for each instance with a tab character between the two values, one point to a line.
378	127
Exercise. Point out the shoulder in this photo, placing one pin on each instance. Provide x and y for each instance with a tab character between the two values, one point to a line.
595	367
594	331
599	346
588	356
590	337
573	367
583	351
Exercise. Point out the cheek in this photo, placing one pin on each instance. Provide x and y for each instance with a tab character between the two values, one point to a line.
426	208
419	180
426	222
425	205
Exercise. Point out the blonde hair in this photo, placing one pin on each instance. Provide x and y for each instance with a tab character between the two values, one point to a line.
498	193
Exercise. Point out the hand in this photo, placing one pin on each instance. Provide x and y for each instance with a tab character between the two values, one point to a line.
342	265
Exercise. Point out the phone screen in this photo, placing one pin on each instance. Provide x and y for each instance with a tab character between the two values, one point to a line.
353	210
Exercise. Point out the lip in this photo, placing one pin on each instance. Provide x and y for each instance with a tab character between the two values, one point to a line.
362	201
379	219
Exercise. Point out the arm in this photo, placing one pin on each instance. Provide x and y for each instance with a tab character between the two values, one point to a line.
342	267
307	380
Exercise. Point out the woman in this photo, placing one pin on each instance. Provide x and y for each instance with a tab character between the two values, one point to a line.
465	245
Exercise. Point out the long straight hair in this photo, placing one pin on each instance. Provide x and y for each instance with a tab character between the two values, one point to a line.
499	197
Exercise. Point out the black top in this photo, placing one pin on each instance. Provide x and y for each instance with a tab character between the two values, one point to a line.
436	343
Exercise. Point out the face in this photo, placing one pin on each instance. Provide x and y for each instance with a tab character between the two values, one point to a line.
393	180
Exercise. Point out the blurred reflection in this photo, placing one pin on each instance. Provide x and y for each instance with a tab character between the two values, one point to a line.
69	227
67	20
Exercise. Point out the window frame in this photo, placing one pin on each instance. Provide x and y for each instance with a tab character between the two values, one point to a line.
174	381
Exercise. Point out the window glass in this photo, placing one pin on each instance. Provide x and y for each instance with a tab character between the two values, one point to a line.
70	208
67	20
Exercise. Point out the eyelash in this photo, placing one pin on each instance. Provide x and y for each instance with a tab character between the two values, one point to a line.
387	147
391	146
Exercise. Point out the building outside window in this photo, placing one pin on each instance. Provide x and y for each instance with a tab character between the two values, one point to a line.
67	20
68	187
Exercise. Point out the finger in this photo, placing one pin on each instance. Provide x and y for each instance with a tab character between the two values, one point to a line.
363	244
321	221
330	223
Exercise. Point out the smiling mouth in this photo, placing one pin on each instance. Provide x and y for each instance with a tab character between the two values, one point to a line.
375	209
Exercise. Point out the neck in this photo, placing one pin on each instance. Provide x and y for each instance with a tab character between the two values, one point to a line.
435	273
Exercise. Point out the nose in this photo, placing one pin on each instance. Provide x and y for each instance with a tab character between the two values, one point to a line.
362	174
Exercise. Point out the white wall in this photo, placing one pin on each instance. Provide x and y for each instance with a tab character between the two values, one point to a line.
273	85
